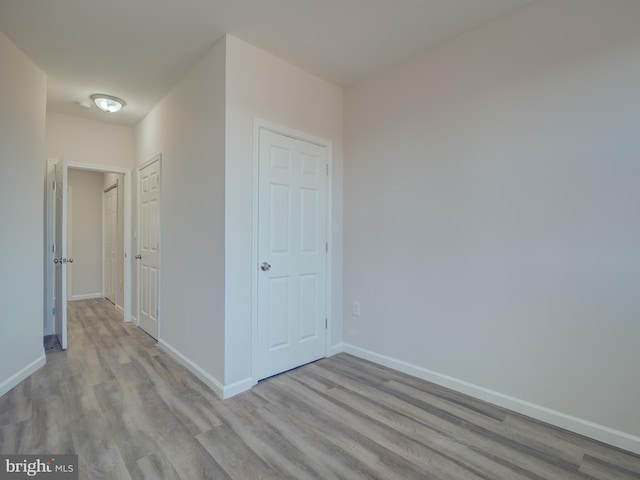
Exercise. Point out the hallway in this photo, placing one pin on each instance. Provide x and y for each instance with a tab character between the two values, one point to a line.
130	411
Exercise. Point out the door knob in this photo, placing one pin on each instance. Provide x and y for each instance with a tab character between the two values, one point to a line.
265	266
138	257
70	260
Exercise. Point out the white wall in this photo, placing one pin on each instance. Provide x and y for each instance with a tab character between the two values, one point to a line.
108	180
86	234
89	142
204	130
187	128
264	86
22	167
492	228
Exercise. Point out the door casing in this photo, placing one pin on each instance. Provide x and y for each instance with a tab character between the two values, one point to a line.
128	257
69	242
105	286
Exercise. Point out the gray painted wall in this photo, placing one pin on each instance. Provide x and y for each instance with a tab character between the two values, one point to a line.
86	233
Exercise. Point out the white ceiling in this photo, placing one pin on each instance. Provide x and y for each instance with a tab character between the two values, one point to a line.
139	49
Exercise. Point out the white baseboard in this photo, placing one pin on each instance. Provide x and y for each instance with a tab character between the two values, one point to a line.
134	320
118	307
210	381
248	383
238	387
223	391
587	428
86	296
22	374
335	349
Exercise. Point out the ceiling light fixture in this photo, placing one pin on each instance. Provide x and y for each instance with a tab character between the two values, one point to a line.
107	103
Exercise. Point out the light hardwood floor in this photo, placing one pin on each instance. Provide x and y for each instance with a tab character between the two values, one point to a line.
130	412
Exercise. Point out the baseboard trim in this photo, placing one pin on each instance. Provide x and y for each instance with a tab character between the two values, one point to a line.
581	426
210	381
249	382
86	296
22	374
335	349
119	308
238	387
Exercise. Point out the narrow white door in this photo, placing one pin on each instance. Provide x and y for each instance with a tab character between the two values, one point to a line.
50	271
60	254
149	247
69	243
110	243
292	253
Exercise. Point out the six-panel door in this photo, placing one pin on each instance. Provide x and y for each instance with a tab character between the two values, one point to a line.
292	253
149	242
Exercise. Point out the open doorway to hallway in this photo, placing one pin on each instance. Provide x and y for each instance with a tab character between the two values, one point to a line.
96	237
97	260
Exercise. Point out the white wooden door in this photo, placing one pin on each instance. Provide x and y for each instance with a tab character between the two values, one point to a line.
69	243
149	247
50	271
60	254
110	243
292	253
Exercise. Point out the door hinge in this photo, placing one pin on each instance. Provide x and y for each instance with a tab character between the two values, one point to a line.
326	324
54	311
54	185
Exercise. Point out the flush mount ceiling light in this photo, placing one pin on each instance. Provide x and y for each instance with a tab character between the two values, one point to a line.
107	103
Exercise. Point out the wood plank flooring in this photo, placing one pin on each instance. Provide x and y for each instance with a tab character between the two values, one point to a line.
130	412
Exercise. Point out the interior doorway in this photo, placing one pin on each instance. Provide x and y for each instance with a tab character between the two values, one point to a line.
55	250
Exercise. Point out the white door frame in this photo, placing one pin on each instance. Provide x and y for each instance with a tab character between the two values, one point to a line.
69	242
156	158
260	124
111	186
128	258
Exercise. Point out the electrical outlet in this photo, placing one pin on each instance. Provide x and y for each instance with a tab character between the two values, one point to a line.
355	308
